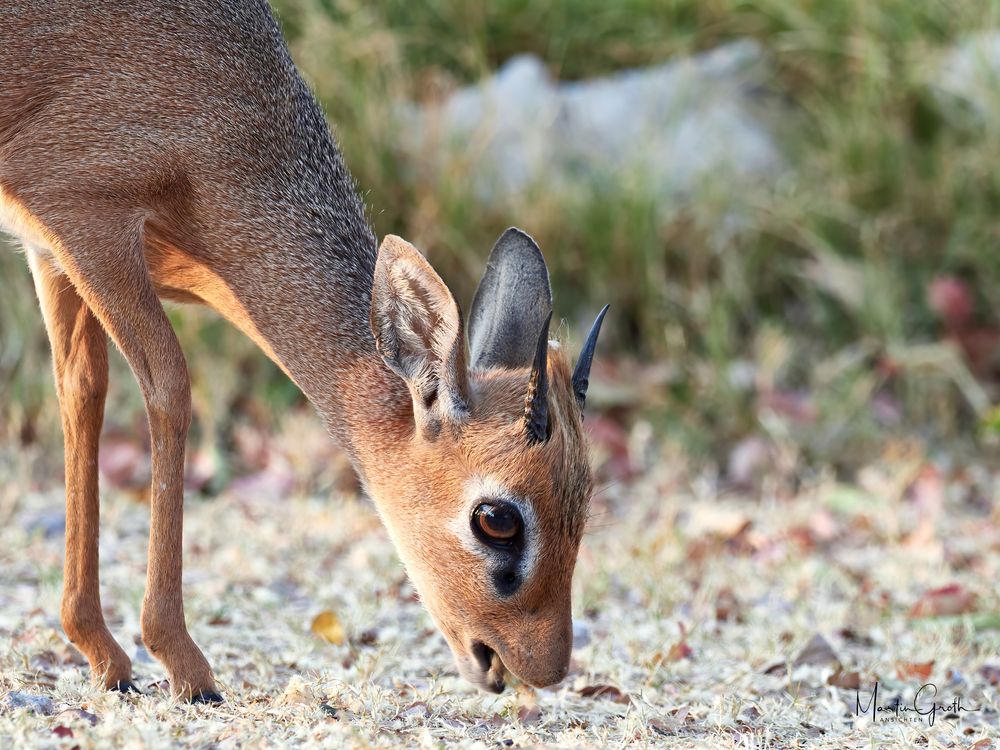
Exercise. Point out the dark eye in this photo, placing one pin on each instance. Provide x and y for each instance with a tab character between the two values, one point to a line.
496	524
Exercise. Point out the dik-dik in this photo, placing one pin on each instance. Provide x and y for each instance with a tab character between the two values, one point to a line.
171	150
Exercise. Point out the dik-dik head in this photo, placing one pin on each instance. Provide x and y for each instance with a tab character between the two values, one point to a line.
486	497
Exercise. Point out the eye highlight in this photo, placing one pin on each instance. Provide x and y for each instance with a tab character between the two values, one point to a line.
497	524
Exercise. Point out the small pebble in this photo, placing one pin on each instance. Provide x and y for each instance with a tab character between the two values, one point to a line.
38	704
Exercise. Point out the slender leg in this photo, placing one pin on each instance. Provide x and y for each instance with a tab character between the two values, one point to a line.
80	358
106	264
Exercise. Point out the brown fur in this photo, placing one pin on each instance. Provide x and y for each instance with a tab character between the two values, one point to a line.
180	156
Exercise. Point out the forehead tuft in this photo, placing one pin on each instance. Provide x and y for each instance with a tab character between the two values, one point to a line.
555	474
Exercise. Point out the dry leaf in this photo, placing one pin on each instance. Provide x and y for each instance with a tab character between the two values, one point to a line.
661	727
727	606
297	692
680	650
709	518
953	599
528	711
529	714
817	652
327	626
79	713
914	670
843	679
984	744
608	692
777	667
672	722
855	637
991	672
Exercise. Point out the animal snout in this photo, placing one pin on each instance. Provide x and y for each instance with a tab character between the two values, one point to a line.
540	654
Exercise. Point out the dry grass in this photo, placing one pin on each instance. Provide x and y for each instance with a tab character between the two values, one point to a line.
691	601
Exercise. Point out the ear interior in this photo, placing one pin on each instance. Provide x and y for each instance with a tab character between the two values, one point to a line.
512	302
418	331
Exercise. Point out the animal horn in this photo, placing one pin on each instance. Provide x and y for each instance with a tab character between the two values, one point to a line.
581	374
536	404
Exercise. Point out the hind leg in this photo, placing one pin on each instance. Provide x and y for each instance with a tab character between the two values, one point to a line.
80	359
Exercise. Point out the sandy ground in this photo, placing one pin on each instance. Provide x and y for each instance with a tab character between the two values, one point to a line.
694	605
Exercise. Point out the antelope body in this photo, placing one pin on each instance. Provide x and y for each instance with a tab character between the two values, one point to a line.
172	151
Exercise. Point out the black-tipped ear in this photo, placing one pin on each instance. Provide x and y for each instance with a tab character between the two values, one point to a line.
581	373
512	302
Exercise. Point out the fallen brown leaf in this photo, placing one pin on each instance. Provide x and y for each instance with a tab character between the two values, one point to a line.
670	723
661	727
529	714
953	599
608	692
79	713
707	519
327	626
991	672
914	670
727	606
844	679
680	650
817	652
776	667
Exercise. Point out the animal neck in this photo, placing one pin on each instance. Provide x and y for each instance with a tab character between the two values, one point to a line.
308	309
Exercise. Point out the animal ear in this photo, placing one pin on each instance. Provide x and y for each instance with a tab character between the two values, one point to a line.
418	331
513	301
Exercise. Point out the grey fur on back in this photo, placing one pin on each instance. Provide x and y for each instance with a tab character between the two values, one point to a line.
199	99
511	305
192	118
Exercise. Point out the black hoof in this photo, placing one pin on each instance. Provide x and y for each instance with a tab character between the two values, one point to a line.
207	696
126	687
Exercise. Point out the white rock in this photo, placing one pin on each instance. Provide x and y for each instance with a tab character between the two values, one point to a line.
38	704
670	127
970	72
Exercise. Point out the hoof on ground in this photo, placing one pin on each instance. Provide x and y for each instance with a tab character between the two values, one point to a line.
206	696
125	686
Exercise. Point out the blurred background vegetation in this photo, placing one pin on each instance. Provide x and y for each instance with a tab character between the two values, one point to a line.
856	301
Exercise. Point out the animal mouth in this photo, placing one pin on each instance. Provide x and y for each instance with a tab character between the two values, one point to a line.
492	670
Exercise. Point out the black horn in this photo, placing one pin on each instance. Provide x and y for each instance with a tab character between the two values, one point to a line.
536	404
581	375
